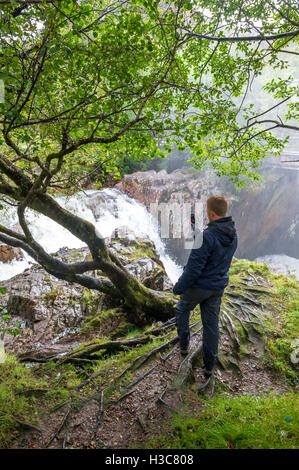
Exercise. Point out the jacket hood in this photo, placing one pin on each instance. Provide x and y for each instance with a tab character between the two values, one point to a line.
224	229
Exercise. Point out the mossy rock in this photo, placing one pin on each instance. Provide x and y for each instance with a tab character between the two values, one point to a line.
112	322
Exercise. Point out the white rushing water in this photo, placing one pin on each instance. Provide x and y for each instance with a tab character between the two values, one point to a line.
115	210
112	210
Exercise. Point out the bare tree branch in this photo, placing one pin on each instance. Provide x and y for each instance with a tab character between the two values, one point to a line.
244	38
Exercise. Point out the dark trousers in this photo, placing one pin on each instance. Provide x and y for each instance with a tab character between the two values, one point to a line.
209	301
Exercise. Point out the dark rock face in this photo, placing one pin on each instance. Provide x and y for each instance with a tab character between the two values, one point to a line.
26	308
266	214
53	312
268	217
179	186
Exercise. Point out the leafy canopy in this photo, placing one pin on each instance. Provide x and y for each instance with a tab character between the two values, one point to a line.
136	77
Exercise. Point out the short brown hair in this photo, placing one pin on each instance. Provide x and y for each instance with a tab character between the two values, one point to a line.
217	204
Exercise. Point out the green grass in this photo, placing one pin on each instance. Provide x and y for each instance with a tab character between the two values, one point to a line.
247	422
283	323
16	377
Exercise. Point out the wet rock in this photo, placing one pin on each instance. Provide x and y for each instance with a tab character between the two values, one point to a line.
148	272
180	187
26	307
258	236
125	234
9	253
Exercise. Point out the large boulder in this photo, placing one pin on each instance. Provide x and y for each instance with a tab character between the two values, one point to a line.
148	272
53	312
9	253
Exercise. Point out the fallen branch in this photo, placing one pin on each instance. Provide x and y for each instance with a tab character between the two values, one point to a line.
32	391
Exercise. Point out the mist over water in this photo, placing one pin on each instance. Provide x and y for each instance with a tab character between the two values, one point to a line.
281	264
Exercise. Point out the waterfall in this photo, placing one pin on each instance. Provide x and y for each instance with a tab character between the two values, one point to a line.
107	209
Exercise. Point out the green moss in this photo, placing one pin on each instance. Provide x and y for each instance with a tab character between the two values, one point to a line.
16	377
141	252
244	422
280	315
76	255
51	296
115	317
209	429
283	323
90	301
112	365
241	266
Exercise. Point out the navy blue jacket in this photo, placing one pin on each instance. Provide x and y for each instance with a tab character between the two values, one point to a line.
208	265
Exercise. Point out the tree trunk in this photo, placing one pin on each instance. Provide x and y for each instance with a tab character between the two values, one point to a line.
139	300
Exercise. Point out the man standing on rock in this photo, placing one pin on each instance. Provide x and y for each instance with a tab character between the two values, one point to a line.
204	279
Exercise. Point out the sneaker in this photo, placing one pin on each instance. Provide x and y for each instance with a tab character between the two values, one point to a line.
184	352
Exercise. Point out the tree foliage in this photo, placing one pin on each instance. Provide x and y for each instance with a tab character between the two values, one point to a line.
127	74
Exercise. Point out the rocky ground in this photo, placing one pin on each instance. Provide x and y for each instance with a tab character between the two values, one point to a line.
127	380
52	312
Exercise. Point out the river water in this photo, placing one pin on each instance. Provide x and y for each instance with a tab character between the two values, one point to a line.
116	210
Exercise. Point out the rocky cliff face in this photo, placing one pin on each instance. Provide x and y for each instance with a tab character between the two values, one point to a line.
266	214
180	186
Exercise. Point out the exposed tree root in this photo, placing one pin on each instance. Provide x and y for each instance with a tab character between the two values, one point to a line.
89	379
26	425
99	417
226	316
185	372
245	313
61	405
161	399
255	302
59	428
257	291
243	308
109	346
135	382
170	323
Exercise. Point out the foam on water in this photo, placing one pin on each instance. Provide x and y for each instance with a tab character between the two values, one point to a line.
118	210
